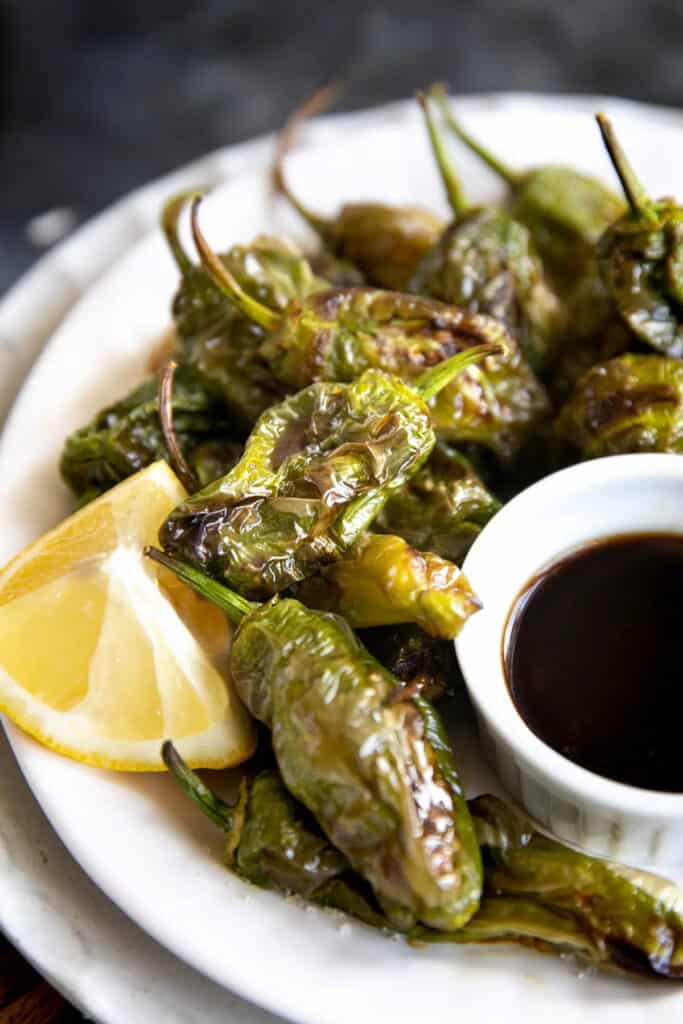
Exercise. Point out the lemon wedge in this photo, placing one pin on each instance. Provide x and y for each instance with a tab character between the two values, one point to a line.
104	654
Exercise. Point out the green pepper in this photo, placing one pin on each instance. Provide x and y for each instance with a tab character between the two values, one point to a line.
382	581
442	508
127	436
375	770
566	211
486	262
596	333
633	403
641	258
633	919
213	336
267	842
537	892
315	471
336	335
385	243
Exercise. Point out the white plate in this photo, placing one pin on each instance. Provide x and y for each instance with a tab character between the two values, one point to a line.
138	838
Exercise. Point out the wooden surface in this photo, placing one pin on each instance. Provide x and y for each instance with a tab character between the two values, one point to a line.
25	997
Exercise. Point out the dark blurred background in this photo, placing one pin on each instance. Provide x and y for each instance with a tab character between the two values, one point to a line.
98	96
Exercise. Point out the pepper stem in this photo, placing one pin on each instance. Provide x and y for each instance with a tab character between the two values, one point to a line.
503	170
451	182
170	215
214	807
234	606
224	280
317	103
436	379
179	464
636	195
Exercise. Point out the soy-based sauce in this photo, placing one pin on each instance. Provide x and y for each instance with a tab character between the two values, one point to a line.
593	656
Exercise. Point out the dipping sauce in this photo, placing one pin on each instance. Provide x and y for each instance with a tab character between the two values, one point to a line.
593	657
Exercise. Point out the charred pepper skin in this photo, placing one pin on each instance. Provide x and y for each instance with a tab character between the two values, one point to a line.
641	259
212	335
442	508
376	772
633	403
382	581
385	243
338	334
633	919
486	262
565	211
315	471
537	892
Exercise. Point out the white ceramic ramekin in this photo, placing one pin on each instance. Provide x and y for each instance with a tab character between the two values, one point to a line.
604	498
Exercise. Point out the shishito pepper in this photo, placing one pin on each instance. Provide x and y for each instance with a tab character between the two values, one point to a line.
374	770
213	335
487	262
537	892
382	581
315	471
338	334
641	258
126	436
442	508
565	210
385	243
625	918
633	403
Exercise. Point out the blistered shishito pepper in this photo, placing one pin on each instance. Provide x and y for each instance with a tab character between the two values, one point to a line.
486	262
375	770
537	892
382	581
126	436
315	471
633	403
641	258
565	210
442	508
336	335
213	335
266	841
385	243
632	919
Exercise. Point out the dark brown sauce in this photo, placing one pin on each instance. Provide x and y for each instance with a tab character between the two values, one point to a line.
593	656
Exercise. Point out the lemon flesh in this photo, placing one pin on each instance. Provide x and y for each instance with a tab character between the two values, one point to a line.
104	654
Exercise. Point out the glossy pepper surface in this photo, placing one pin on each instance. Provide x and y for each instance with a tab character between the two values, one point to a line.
127	436
538	892
383	581
486	262
633	403
338	334
442	508
376	771
385	243
213	335
633	919
565	210
641	258
315	471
